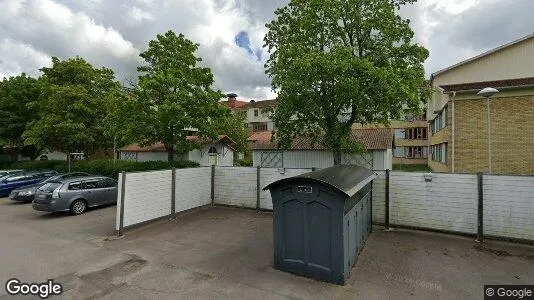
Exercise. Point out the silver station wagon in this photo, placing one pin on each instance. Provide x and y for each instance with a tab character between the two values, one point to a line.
75	195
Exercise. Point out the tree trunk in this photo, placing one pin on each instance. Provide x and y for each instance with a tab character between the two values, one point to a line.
170	153
337	157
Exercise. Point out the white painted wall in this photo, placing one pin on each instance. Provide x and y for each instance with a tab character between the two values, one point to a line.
152	156
379	197
509	206
193	188
53	155
147	196
374	159
448	202
225	156
235	186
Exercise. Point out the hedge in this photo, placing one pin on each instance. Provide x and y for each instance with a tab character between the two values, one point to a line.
104	167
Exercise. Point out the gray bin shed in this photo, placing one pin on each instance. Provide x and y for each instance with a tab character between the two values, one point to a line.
321	221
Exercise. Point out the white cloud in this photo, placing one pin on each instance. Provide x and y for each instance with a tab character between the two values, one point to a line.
19	57
112	33
136	16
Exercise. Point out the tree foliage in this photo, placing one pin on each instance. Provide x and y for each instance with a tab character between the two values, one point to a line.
71	106
15	95
233	127
174	94
339	62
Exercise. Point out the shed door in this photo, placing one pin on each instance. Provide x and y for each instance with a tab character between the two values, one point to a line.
304	226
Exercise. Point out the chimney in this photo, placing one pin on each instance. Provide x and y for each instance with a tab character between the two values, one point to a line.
232	97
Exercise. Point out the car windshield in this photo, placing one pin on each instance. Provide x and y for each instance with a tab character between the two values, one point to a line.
50	186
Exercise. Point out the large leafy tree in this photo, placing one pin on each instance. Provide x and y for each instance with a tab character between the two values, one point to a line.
173	95
15	95
72	106
339	62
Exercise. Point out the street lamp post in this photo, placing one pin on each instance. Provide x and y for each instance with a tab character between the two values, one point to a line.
488	93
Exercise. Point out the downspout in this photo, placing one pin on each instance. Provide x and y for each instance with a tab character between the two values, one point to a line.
453	129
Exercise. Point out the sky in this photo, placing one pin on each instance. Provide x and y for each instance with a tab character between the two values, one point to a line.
112	33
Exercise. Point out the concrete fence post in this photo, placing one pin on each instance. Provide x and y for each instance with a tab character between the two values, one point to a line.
173	192
212	185
258	188
386	217
121	212
480	209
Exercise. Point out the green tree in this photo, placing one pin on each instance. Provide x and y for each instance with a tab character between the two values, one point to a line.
72	106
174	94
234	127
339	62
15	95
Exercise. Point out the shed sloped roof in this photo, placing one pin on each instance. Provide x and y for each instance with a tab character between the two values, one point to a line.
371	139
159	147
347	179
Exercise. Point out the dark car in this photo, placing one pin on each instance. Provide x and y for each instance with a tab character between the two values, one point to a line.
11	182
5	173
75	195
27	192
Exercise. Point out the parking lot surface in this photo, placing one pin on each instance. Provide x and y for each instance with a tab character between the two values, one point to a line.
223	253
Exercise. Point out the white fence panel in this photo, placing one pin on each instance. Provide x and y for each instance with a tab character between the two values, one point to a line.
235	186
269	175
147	196
193	188
509	206
447	202
118	213
379	197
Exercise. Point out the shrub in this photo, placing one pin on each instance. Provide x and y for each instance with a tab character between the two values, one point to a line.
104	167
244	163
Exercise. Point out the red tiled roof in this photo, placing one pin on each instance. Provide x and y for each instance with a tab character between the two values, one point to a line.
483	84
234	103
262	104
371	139
255	104
159	147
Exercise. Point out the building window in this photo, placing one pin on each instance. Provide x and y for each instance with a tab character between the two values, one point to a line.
212	150
256	113
411	152
440	121
439	153
259	126
416	133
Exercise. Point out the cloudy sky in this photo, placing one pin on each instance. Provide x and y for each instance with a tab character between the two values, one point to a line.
112	33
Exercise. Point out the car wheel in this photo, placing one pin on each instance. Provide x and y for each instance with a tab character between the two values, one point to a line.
78	207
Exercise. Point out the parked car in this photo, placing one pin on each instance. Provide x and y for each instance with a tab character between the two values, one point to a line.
75	195
4	173
27	192
13	181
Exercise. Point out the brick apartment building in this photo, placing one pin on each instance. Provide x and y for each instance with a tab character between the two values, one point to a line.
458	117
411	139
